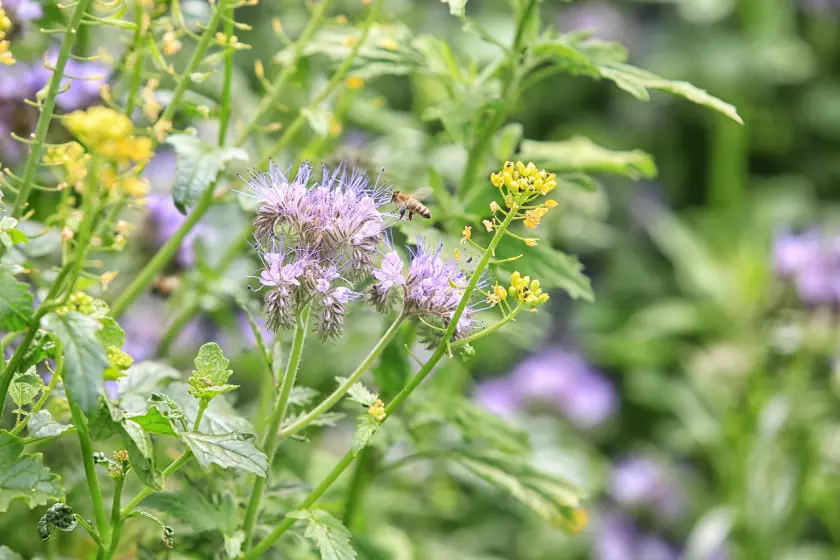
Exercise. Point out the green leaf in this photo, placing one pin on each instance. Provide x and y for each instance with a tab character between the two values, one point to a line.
211	374
506	141
368	426
329	535
198	165
24	476
154	422
194	509
235	450
140	381
141	454
555	270
456	7
219	418
84	357
233	544
302	396
110	333
25	387
553	499
483	428
15	301
318	119
105	420
58	516
42	424
637	82
394	366
581	154
358	392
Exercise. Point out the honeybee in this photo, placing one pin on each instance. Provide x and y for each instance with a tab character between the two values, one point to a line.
165	285
410	202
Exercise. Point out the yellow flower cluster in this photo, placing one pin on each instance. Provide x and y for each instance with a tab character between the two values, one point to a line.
5	25
519	177
377	410
109	134
533	217
526	290
72	157
499	294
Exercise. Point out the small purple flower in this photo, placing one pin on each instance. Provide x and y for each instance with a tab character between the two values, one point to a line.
390	271
639	481
811	260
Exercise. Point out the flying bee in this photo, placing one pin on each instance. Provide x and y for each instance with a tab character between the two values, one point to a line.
165	285
411	203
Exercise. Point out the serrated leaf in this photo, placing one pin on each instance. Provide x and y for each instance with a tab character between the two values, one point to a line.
84	357
358	392
154	422
198	165
140	381
483	428
105	420
637	82
192	508
328	533
550	497
581	154
302	396
556	270
24	476
141	454
456	7
235	450
15	301
42	424
368	426
25	387
110	333
209	379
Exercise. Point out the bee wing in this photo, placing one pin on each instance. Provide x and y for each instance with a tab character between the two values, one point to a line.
421	193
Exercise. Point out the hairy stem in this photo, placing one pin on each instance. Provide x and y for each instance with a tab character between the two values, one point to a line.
138	52
336	395
91	531
413	383
116	519
80	422
227	87
270	441
144	493
47	109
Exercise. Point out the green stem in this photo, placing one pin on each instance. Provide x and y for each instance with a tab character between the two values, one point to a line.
413	383
508	318
47	109
269	443
227	87
116	519
361	478
138	42
336	395
280	82
163	256
91	531
38	405
202	406
87	455
144	493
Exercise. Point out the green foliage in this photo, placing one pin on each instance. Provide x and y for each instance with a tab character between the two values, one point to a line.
199	164
367	428
15	301
581	154
209	378
23	476
555	270
328	533
358	392
42	424
84	357
140	453
25	387
234	450
456	7
194	509
155	422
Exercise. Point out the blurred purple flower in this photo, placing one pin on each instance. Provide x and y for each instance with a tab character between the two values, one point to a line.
811	260
617	538
165	219
18	82
245	328
20	11
603	18
499	396
820	7
638	480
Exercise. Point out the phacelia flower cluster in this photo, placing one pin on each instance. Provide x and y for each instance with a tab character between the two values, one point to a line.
432	288
316	240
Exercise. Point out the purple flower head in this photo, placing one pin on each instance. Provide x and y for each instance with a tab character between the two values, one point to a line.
499	396
315	241
565	380
81	87
639	481
432	288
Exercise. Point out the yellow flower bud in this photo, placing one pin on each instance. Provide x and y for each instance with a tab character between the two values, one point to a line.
467	233
354	82
550	203
494	207
530	242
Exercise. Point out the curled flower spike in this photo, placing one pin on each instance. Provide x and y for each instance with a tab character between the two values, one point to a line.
318	239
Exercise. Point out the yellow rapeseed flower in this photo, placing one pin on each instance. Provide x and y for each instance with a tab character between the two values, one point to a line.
5	25
467	233
109	133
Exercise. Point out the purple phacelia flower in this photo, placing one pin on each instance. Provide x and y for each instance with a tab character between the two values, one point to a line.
315	240
432	289
640	481
164	219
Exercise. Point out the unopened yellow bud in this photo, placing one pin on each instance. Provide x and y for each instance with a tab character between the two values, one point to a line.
341	19
259	70
466	234
458	255
354	82
530	242
377	410
550	203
